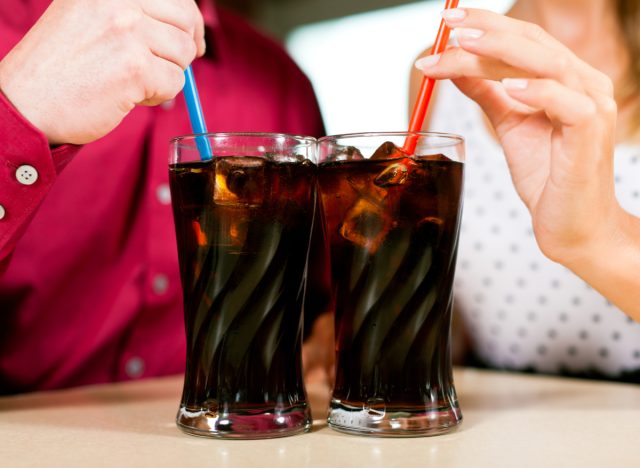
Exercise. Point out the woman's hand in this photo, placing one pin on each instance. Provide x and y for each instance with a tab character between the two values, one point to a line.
555	117
85	64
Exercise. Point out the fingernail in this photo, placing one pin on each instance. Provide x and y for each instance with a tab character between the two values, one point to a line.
428	61
515	83
468	33
453	15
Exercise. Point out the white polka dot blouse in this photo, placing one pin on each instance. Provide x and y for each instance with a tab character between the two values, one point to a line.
523	311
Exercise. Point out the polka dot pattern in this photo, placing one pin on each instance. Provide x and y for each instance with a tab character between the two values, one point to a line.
524	310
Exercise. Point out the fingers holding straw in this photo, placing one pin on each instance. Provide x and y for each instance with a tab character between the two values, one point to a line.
495	47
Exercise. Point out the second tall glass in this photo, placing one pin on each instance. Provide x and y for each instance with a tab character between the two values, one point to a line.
392	224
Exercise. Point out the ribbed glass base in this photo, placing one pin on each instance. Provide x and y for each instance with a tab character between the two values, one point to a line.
393	421
255	423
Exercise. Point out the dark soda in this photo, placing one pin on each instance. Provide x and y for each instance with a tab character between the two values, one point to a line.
243	226
392	225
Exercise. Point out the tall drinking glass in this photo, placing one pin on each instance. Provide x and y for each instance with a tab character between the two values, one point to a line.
392	224
243	222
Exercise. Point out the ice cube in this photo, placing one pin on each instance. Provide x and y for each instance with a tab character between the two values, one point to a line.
366	224
394	174
365	189
239	181
388	150
348	153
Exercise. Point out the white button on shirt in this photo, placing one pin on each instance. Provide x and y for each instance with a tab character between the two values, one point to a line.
134	368
160	284
2	212
163	194
27	175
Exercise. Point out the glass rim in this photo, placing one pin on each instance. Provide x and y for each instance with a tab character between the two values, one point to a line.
451	137
193	136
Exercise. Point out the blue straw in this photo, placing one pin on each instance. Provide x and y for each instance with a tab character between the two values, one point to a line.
196	116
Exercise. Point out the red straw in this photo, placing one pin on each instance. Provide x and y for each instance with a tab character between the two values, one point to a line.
426	88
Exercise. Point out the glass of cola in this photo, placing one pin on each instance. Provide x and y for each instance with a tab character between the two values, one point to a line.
243	222
391	220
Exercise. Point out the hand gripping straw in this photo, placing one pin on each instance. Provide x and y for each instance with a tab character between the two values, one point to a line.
196	116
426	88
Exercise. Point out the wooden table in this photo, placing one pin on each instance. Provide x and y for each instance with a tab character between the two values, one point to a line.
510	420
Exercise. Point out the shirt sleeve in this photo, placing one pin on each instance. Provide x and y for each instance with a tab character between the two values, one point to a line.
28	169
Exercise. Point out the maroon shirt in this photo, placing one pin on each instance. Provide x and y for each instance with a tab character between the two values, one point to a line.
90	291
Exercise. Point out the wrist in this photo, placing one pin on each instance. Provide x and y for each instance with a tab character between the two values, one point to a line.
13	88
611	264
617	238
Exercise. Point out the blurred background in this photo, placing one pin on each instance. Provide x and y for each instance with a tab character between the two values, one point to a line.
357	53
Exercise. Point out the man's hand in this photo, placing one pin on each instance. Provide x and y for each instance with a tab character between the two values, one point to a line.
86	64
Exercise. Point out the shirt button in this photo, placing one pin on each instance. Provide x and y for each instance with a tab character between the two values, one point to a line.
163	193
27	175
134	368
168	105
2	212
160	284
